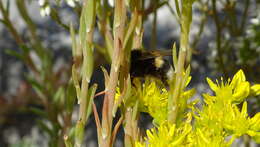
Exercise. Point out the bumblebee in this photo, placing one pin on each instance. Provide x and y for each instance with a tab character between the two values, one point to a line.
151	63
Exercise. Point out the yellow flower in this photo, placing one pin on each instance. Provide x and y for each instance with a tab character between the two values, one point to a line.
221	112
153	99
254	131
232	91
203	137
166	135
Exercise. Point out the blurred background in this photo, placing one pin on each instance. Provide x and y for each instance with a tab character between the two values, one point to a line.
36	58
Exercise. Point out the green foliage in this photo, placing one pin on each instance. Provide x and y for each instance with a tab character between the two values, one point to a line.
177	120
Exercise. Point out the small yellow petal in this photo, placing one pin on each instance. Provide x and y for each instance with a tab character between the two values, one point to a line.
238	78
172	129
251	133
241	91
188	81
255	89
255	122
138	144
150	134
212	85
208	99
204	138
244	110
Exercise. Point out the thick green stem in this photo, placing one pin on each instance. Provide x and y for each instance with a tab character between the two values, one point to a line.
177	86
85	49
130	113
118	31
173	107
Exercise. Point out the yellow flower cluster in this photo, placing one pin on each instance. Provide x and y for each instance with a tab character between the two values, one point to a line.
219	119
221	113
234	91
167	135
153	99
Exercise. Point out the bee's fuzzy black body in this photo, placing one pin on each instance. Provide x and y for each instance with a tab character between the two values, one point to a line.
150	63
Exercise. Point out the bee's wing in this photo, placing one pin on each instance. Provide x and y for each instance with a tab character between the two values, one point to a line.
148	54
158	53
